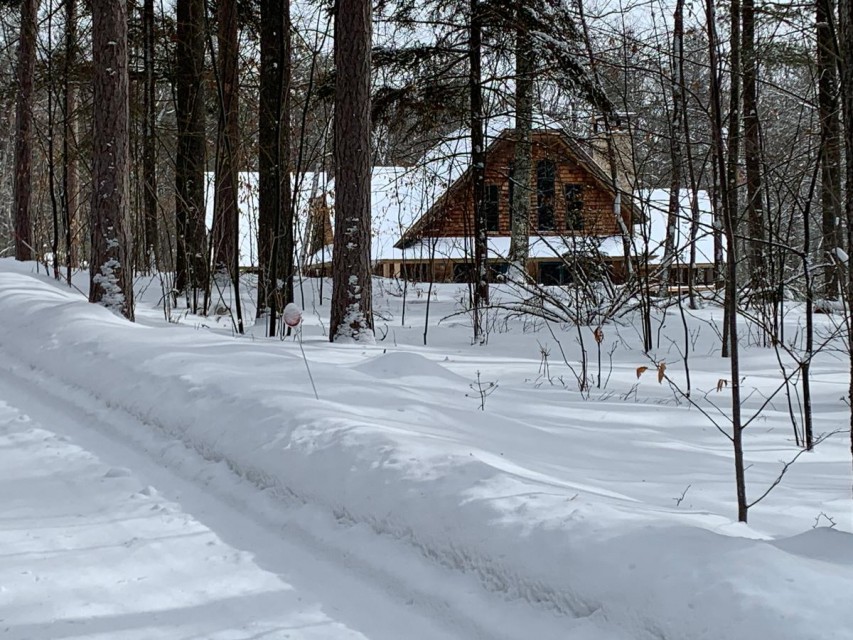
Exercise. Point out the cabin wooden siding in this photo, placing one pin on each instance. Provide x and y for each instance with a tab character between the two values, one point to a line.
455	213
320	231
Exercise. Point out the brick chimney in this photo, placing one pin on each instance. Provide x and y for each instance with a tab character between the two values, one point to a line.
626	176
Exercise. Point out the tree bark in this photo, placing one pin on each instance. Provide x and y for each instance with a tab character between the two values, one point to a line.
730	175
51	156
675	148
275	220
225	211
846	66
22	197
191	258
149	141
755	211
70	169
830	149
521	166
729	205
111	277
693	182
352	316
719	254
269	149
478	168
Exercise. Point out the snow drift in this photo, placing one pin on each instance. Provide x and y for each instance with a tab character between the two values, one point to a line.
463	487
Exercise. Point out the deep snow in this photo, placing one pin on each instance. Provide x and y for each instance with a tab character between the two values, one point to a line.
89	551
172	546
560	508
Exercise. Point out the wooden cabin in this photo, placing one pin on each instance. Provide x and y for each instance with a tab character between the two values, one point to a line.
423	217
572	211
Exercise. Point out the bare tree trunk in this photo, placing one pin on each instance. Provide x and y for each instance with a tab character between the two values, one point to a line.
806	362
70	172
830	160
51	155
270	116
111	277
275	220
694	185
225	211
719	254
352	314
729	208
478	169
149	141
191	258
672	215
675	148
23	132
846	67
752	153
730	174
521	166
615	161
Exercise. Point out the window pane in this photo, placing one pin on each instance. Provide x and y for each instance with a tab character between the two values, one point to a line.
511	192
463	272
497	271
574	206
545	177
492	207
554	273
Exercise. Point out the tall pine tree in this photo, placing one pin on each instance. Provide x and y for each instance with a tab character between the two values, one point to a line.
352	313
22	197
191	255
111	277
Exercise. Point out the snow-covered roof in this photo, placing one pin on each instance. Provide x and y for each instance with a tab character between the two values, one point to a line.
306	185
399	196
462	248
447	162
650	236
539	247
648	239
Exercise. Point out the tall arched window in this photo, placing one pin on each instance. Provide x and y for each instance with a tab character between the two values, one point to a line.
546	174
511	176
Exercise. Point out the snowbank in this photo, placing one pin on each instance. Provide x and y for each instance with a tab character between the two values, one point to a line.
463	487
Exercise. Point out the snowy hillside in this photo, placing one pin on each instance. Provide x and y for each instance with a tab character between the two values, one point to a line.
431	505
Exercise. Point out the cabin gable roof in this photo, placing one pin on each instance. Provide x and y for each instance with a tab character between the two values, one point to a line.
574	152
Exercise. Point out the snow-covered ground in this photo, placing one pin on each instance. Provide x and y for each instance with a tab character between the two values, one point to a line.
91	551
111	535
550	513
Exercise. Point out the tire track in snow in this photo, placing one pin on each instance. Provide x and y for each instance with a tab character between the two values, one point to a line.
330	537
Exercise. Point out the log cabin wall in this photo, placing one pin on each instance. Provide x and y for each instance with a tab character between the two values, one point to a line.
597	209
320	232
